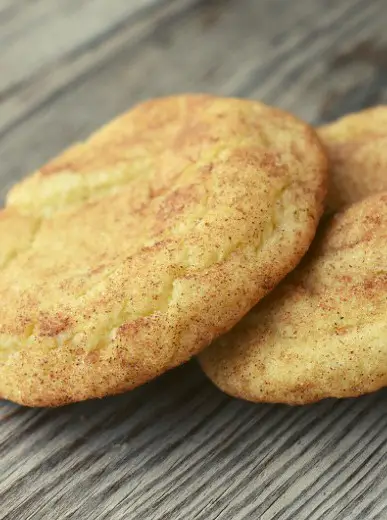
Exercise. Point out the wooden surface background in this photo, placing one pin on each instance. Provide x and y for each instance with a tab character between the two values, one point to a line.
177	448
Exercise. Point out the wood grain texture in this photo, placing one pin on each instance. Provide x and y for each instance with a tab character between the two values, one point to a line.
177	448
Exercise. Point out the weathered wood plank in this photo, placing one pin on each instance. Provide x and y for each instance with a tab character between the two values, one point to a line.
56	29
24	99
197	454
178	448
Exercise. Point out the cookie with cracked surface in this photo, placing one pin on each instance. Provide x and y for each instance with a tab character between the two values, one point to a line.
323	331
144	243
357	148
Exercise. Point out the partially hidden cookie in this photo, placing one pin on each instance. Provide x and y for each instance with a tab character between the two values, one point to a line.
323	331
357	148
132	251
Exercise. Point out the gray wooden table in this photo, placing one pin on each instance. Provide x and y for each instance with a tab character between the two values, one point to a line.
177	448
